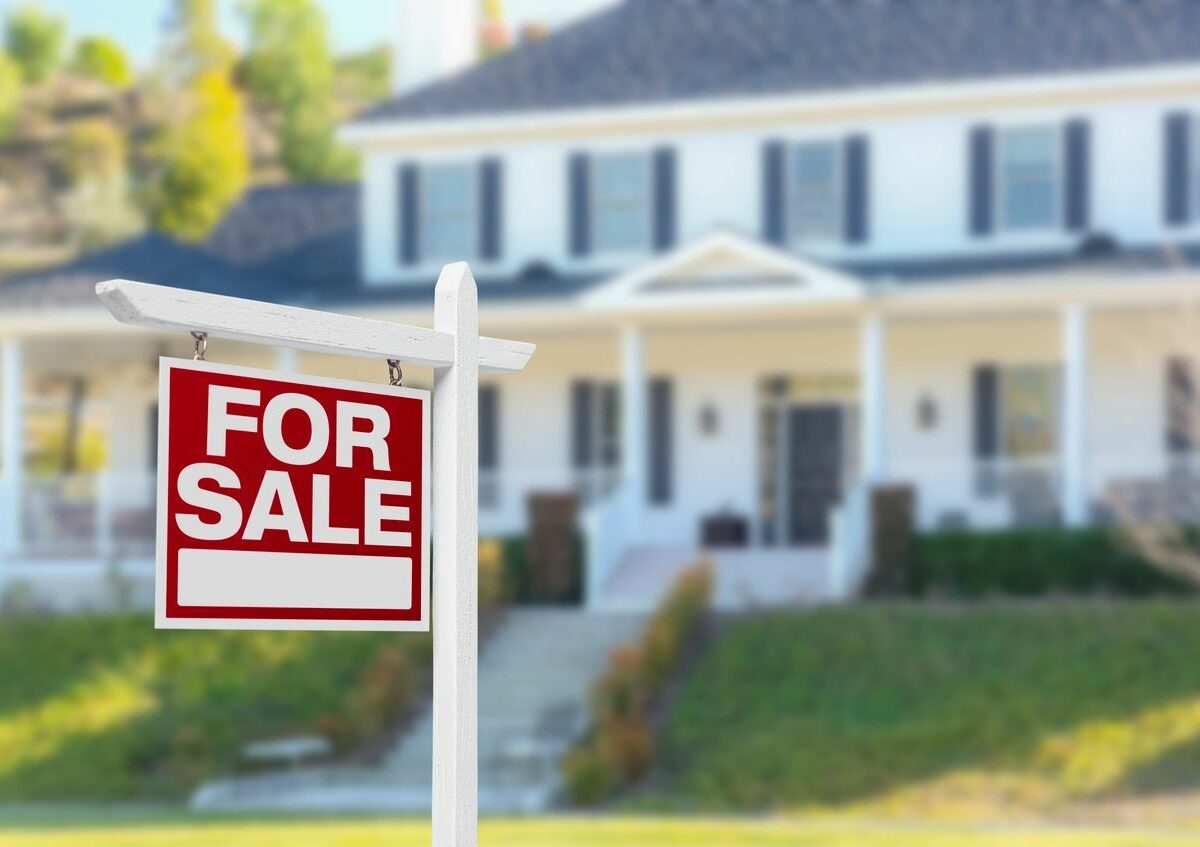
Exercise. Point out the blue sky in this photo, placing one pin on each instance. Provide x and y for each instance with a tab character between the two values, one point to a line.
354	24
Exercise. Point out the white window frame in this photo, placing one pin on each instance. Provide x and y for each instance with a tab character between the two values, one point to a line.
999	177
838	206
425	216
595	203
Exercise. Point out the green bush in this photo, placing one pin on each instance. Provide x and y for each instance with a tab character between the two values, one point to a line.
519	582
1030	562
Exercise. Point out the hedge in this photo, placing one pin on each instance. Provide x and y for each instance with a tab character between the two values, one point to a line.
1030	562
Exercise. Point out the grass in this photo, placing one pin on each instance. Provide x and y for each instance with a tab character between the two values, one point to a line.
1043	710
178	831
99	708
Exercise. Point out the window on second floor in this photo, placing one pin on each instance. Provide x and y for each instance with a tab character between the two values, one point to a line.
815	189
449	211
1028	177
621	202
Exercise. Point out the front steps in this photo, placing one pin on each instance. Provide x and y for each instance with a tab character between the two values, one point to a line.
535	675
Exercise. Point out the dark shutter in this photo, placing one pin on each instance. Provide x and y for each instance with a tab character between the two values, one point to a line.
664	198
491	208
1181	406
579	205
661	440
583	416
985	406
410	221
1078	175
489	427
773	192
979	182
610	421
1177	168
858	192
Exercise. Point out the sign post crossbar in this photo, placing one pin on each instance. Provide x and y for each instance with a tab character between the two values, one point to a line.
456	352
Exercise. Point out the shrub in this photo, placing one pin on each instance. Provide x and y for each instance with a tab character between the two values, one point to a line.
620	748
1029	562
493	587
590	774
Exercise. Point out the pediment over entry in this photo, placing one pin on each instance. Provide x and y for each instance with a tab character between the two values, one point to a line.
724	268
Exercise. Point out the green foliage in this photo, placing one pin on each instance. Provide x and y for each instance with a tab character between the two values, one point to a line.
106	708
518	580
10	94
195	47
35	41
289	68
92	149
205	161
100	58
1033	562
993	712
364	77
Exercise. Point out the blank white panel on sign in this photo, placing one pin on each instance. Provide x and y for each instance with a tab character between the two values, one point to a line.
293	580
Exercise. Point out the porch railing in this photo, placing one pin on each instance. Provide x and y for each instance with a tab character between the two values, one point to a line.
107	515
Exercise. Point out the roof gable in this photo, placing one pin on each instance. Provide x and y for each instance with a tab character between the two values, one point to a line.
723	269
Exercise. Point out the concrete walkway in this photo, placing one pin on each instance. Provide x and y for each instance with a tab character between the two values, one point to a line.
535	675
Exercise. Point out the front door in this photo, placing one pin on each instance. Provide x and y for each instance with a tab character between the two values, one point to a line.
814	471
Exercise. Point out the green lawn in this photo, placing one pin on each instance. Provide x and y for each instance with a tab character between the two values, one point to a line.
567	832
1049	710
97	708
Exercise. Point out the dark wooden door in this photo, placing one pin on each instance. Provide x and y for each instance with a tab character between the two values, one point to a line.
814	470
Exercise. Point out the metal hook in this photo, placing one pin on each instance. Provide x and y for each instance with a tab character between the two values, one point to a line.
395	375
200	347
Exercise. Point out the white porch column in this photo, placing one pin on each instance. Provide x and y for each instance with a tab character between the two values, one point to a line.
12	429
633	424
1075	414
287	360
872	366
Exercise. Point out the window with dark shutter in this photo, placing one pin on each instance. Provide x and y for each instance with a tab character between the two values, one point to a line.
583	417
661	441
489	427
773	193
664	198
1177	168
1181	411
985	414
491	209
578	205
858	174
408	204
1077	144
979	182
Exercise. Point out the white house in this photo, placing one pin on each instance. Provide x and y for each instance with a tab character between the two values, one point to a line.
773	252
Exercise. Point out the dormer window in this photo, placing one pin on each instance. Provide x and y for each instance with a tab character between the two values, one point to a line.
815	192
449	211
621	202
1028	177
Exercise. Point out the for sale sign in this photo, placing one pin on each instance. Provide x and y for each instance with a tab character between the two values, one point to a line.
290	502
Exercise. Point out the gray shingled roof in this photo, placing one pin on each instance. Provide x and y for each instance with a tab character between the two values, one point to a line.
650	51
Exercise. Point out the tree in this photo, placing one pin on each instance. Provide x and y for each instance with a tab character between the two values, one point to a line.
35	41
10	93
204	161
195	45
100	58
289	69
93	158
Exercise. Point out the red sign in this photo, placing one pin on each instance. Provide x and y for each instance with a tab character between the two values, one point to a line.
290	502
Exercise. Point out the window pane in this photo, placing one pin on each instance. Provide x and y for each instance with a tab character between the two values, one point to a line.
1029	404
1029	159
448	222
621	202
815	192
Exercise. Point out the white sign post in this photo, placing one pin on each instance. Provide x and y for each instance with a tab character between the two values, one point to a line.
455	351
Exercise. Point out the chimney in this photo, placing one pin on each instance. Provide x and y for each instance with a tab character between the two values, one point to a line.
434	38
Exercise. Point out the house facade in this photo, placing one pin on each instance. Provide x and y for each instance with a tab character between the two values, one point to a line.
774	253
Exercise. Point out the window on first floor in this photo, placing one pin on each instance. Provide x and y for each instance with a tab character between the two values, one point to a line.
595	435
621	202
1028	176
449	211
